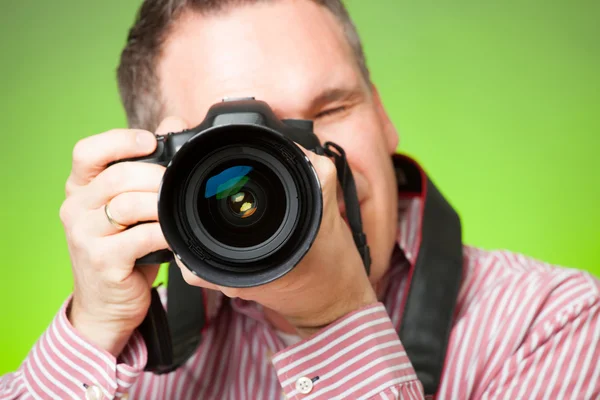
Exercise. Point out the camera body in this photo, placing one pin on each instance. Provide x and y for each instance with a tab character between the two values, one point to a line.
236	111
240	204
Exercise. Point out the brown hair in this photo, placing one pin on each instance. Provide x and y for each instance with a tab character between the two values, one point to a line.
136	74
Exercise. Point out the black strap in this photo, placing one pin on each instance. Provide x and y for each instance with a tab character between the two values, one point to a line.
430	302
172	337
346	179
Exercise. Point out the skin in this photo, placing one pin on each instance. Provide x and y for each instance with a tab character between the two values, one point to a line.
309	72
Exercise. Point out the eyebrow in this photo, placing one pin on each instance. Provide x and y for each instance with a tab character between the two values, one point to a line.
333	94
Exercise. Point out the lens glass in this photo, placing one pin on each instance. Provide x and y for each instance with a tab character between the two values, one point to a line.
242	203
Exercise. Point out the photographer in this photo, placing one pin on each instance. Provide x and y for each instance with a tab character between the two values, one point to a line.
328	328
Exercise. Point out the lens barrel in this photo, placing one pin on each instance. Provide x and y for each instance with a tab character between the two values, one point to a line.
240	204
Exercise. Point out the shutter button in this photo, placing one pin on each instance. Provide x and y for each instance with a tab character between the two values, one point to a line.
304	385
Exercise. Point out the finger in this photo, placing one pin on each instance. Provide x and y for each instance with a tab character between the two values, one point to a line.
192	279
126	209
92	154
136	242
121	178
327	174
171	125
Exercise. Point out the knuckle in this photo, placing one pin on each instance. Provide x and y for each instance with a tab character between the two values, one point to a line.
327	172
96	256
122	207
69	188
116	176
68	211
144	237
126	137
65	212
81	152
78	237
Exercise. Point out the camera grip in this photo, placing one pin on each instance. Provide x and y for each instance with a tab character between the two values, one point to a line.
156	257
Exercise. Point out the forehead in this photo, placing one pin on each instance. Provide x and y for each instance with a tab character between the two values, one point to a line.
284	52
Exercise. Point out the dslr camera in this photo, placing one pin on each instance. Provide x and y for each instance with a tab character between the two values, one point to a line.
240	204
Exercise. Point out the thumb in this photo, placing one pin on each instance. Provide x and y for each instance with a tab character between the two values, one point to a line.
171	125
327	174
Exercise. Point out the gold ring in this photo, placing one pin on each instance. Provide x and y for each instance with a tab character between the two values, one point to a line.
111	219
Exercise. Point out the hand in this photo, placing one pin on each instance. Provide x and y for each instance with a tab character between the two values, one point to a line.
111	297
327	284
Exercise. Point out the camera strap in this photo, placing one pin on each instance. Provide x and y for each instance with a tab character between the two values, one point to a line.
346	179
173	336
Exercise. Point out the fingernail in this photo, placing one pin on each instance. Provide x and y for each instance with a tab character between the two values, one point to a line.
145	140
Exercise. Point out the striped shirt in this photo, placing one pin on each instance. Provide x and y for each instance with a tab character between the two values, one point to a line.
523	330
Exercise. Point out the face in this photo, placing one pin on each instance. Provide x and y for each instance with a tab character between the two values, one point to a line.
293	55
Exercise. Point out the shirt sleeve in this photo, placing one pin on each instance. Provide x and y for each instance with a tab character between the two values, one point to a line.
64	365
560	360
359	356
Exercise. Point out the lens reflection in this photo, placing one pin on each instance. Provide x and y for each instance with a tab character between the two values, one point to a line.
243	204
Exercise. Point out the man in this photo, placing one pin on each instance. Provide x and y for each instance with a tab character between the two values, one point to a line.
522	329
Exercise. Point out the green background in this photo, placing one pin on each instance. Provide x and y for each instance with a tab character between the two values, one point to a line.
500	101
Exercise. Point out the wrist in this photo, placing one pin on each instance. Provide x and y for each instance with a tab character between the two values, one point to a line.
100	334
309	325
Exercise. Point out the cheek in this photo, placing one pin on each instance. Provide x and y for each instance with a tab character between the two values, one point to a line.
362	138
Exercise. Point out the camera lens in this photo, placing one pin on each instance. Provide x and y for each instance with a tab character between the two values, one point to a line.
241	204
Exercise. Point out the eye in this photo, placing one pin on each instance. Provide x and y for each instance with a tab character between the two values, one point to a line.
332	111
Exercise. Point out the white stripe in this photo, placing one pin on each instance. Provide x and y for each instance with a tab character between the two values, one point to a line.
197	368
590	352
83	357
379	374
487	269
60	371
349	349
567	290
355	372
39	383
16	384
253	360
328	332
549	363
514	381
337	341
86	345
205	361
595	376
384	386
383	396
574	354
123	385
70	363
346	364
531	372
522	297
471	372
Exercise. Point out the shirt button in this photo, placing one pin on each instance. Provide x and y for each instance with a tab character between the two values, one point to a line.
304	385
125	396
93	393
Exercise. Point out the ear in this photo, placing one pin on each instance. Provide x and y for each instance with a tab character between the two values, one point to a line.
389	130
